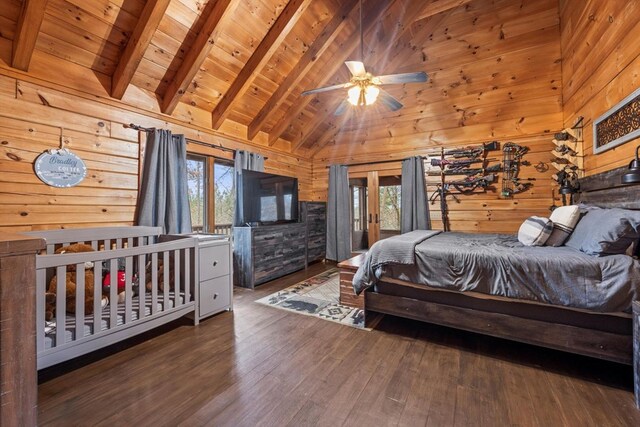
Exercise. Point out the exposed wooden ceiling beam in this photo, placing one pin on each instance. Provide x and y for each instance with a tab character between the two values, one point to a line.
194	58
137	45
269	44
319	45
370	19
27	30
400	57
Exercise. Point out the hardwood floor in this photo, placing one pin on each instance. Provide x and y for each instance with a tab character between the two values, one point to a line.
263	366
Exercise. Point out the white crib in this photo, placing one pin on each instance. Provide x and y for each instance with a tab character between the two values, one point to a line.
132	250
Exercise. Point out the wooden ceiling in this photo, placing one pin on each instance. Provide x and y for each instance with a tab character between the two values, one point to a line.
248	60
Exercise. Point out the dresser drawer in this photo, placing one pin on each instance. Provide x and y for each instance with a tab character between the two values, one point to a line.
266	237
214	295
294	233
214	261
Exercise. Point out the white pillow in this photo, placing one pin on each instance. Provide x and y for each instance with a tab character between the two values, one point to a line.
535	231
564	221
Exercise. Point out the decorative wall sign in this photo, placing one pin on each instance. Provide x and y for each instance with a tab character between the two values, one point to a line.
60	168
618	125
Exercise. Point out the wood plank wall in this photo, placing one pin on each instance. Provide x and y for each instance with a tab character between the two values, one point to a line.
492	77
601	67
33	114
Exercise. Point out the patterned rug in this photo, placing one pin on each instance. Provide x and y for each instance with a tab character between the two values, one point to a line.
317	296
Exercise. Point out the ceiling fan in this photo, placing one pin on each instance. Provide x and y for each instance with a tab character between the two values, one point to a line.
364	87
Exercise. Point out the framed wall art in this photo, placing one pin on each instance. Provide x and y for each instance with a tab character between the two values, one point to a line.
618	125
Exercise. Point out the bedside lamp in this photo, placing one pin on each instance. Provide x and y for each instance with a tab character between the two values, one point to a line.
633	176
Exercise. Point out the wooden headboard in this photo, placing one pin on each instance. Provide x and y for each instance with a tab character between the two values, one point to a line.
607	191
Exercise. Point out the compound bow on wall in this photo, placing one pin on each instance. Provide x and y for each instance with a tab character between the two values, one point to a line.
511	162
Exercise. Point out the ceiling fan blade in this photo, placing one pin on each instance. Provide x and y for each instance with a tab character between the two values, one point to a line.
327	88
401	78
389	101
356	68
341	108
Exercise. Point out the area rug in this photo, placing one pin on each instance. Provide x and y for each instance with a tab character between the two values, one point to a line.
317	296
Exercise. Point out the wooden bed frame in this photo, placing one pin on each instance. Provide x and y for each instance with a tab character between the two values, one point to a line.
604	336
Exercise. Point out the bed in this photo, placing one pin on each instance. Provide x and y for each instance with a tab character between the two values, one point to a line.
132	290
523	294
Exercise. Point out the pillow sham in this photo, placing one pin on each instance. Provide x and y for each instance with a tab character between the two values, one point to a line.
564	221
606	231
535	231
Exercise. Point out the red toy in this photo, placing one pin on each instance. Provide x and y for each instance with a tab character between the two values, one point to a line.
106	282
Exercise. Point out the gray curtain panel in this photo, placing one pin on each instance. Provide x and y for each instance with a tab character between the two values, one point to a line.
244	160
163	199
414	207
338	215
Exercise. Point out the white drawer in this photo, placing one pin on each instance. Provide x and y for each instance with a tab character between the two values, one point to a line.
214	261
214	295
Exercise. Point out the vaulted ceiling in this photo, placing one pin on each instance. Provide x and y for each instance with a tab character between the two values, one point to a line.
248	61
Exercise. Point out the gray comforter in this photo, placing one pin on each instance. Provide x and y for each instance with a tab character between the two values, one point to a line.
500	265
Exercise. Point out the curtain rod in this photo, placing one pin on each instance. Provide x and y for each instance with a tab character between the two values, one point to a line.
189	140
375	163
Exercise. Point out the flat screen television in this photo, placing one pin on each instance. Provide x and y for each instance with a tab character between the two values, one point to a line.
267	198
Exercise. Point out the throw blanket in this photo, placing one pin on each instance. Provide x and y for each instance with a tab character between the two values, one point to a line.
394	250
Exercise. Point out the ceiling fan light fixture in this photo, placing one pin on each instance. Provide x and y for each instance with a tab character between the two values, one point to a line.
353	95
362	95
371	94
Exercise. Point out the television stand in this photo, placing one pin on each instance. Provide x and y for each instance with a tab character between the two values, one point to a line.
266	252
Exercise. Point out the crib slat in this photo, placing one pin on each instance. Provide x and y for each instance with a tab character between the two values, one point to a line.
142	282
61	303
97	297
80	292
118	243
113	293
41	289
128	290
176	278
154	283
130	242
187	275
165	276
94	245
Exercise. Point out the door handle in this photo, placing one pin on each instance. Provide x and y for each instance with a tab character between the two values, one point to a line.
369	218
376	218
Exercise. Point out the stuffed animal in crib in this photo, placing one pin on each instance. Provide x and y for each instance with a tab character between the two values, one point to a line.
171	272
121	280
70	284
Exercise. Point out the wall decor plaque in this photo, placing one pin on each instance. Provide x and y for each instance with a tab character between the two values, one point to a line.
60	168
618	125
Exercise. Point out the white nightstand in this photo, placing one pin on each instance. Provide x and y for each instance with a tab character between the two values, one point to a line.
215	265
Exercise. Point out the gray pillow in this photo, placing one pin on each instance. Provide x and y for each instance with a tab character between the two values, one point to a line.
606	231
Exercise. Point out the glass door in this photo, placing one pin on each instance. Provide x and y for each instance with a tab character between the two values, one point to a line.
359	224
389	196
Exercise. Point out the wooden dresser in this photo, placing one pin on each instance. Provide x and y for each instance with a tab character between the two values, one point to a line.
18	372
268	252
314	214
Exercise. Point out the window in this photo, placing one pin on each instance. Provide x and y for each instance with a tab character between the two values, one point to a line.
211	201
196	187
224	196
